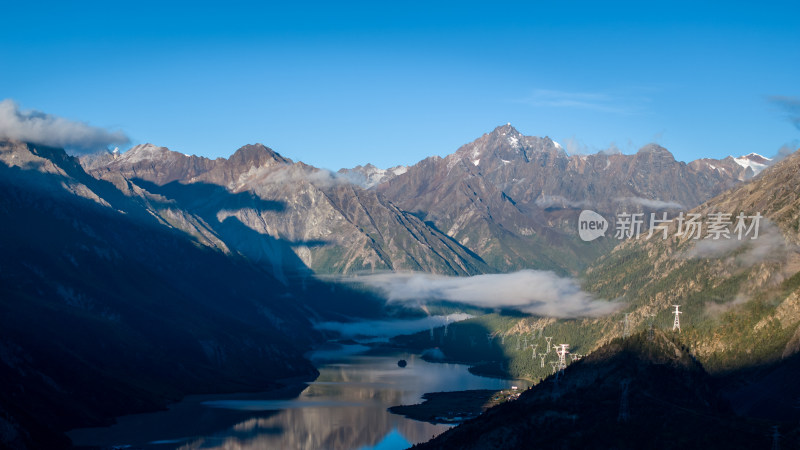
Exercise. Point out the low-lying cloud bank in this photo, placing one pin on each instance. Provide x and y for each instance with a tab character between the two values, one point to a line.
649	203
534	292
769	246
45	129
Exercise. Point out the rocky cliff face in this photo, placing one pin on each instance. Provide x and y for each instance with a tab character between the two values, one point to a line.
327	224
514	199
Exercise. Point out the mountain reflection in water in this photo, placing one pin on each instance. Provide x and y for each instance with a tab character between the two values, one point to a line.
345	408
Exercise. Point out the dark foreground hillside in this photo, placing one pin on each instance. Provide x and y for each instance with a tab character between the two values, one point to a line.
104	311
629	394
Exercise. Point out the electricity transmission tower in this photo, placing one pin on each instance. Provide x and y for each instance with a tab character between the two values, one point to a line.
549	339
676	325
626	331
533	356
562	355
543	357
650	331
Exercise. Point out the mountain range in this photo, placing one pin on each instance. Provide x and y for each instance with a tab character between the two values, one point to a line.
129	280
503	202
512	199
327	225
739	324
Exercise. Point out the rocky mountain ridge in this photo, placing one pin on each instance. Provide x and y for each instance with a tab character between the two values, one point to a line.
500	203
514	199
330	225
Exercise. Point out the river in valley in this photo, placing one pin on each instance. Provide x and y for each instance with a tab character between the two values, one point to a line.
345	408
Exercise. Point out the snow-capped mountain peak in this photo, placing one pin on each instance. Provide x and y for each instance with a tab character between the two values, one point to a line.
754	161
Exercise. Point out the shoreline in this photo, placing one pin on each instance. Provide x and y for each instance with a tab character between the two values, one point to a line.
456	406
183	417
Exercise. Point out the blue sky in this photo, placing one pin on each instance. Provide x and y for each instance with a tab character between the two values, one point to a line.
338	84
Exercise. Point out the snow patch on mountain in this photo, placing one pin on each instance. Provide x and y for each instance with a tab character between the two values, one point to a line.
753	161
513	141
142	152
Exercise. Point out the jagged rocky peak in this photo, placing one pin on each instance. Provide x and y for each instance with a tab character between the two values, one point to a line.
654	148
506	135
505	130
257	155
654	151
504	145
144	151
35	156
554	143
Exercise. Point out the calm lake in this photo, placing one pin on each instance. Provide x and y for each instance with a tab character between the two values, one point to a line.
345	408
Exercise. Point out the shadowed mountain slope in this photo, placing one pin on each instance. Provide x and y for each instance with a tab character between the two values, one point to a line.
629	394
105	311
333	226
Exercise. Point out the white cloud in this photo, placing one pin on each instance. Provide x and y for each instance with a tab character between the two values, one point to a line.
715	309
785	150
321	178
557	201
770	245
593	101
45	129
534	292
649	203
